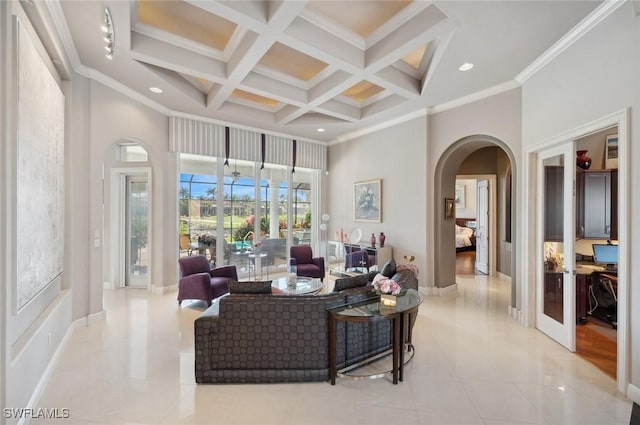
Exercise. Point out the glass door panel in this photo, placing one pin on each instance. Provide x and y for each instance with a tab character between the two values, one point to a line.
240	224
301	211
273	211
137	231
556	268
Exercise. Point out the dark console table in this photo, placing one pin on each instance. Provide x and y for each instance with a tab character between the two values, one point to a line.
371	310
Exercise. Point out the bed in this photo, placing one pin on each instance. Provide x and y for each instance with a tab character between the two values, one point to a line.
465	234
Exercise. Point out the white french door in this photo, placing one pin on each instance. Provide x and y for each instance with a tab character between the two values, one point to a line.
555	266
482	226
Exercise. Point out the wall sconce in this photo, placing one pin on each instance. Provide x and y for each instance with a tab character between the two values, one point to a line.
109	36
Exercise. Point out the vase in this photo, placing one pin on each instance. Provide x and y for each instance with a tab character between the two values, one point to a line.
382	238
388	300
373	240
583	161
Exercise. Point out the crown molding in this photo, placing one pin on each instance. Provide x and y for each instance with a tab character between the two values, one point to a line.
587	24
62	28
474	97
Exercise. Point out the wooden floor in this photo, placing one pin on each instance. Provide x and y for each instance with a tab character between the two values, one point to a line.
596	342
466	262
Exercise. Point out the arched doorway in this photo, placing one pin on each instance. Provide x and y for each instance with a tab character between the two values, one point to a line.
448	167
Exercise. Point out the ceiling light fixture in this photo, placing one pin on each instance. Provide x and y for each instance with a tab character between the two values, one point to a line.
109	35
155	89
465	66
321	130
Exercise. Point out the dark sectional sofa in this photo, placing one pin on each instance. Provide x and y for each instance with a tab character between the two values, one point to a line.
264	338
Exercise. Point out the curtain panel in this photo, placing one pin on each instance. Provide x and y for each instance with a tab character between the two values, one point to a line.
203	138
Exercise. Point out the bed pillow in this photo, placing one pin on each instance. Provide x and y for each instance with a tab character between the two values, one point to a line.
250	287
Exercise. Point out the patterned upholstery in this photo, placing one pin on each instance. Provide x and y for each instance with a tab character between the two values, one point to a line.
265	338
262	338
252	287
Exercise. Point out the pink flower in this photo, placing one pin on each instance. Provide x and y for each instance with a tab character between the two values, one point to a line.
387	286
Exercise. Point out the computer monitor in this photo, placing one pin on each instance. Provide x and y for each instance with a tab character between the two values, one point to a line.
606	254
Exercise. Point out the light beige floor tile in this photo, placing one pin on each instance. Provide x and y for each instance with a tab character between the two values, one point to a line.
473	365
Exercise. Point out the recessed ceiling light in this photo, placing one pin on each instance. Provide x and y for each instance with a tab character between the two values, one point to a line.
320	130
465	66
155	89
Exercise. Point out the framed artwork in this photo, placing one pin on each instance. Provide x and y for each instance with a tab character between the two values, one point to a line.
460	196
611	151
449	208
367	201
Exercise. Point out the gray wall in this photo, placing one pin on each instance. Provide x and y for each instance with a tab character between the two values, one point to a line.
396	155
595	77
453	135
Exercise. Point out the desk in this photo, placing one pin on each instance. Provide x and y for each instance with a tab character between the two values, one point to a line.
371	310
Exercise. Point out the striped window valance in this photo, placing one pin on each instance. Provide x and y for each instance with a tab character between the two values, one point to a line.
203	138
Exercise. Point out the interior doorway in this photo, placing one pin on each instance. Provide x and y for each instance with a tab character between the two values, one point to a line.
476	157
575	267
129	226
476	224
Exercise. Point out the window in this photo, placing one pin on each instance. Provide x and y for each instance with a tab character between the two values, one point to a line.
132	152
226	210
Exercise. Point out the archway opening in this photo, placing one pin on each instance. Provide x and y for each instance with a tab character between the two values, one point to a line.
475	157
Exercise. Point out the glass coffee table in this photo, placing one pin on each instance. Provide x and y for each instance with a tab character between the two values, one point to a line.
304	286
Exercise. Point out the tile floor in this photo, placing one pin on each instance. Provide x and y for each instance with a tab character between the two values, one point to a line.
473	366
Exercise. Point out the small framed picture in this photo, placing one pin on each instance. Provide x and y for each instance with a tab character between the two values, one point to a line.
611	151
460	196
449	208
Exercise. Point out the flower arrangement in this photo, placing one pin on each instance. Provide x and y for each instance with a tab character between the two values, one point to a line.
387	286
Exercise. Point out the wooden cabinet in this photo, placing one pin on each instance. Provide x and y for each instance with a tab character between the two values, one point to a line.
579	203
600	204
553	296
596	204
582	297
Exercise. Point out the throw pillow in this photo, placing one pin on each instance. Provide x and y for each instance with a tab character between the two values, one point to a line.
254	287
378	277
389	269
351	282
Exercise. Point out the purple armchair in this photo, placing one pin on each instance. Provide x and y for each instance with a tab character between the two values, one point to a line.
200	282
306	264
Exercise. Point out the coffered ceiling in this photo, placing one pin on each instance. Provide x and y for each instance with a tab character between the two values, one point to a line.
293	67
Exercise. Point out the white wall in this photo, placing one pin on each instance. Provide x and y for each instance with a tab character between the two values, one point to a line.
469	189
30	337
595	77
115	117
397	156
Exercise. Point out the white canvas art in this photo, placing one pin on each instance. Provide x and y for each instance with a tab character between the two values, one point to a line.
40	173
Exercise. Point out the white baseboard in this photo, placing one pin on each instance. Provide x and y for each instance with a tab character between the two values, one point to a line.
89	320
503	276
438	292
516	315
633	393
161	290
